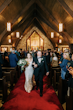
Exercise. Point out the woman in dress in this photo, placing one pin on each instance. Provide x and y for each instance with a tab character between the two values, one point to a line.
63	64
28	74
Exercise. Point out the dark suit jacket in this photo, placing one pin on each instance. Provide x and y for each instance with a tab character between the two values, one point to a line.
69	77
1	62
48	58
13	60
41	67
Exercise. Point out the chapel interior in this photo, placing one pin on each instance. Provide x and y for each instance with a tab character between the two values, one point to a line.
33	25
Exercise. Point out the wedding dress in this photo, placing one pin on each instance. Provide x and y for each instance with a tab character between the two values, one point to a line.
28	78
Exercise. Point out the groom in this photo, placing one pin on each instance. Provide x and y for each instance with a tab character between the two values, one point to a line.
40	65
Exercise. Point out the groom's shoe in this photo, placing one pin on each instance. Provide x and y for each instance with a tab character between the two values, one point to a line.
41	94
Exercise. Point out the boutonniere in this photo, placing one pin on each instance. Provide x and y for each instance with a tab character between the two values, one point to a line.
41	59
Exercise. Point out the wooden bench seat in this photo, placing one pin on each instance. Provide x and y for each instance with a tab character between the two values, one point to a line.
62	89
3	87
69	100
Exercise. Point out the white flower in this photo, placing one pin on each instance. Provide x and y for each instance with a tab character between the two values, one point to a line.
41	59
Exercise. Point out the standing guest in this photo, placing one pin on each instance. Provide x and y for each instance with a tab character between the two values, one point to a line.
1	62
48	57
51	55
13	59
68	75
63	64
54	61
17	54
6	59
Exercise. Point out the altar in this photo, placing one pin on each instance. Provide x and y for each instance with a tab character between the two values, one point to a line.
35	42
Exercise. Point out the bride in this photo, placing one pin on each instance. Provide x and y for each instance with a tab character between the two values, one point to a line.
28	74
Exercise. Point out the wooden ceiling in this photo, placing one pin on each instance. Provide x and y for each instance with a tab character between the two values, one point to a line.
44	14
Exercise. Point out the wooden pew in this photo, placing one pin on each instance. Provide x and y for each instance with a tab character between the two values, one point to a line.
69	100
56	79
14	71
62	89
9	76
57	69
3	87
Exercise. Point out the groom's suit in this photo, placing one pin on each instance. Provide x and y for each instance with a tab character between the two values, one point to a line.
40	71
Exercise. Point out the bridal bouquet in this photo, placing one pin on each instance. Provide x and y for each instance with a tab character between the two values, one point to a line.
22	62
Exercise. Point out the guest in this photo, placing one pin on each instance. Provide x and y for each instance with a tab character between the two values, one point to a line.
1	62
63	64
6	59
13	59
54	61
48	57
69	74
51	55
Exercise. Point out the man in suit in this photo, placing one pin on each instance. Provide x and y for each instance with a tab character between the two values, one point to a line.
13	59
1	62
40	65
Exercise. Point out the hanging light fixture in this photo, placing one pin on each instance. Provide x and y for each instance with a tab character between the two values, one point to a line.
60	41
9	40
60	27
8	26
52	34
17	34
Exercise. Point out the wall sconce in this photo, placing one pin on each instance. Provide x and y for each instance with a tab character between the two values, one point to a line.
8	26
60	27
9	40
17	34
60	41
52	34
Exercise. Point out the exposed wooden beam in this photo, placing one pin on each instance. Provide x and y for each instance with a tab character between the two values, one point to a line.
55	28
47	35
53	19
16	44
46	11
4	5
66	8
21	13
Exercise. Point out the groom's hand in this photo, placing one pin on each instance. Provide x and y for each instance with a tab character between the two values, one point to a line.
35	66
47	73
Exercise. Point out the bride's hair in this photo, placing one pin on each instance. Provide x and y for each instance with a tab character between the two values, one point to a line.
30	54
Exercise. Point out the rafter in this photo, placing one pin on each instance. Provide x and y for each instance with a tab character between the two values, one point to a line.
4	5
55	28
46	11
21	13
66	8
47	35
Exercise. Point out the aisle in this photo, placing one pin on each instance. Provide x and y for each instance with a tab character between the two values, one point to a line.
20	100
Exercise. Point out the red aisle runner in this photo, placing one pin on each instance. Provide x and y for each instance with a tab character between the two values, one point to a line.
21	100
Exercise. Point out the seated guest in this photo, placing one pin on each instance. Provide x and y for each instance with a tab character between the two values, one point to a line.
54	61
13	59
63	64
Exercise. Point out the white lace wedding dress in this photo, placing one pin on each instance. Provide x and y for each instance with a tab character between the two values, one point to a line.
28	78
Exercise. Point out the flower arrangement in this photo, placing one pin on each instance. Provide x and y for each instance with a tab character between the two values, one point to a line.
22	62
